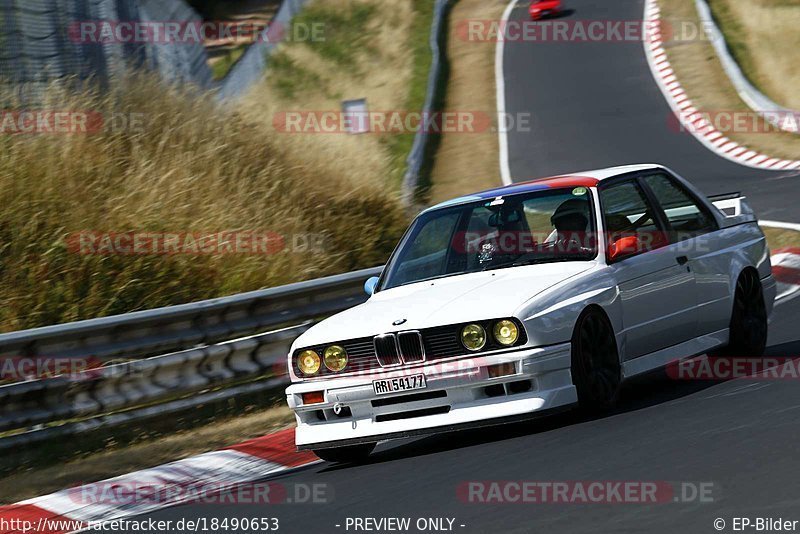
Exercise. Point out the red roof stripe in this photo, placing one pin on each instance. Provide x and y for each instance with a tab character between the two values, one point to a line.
565	181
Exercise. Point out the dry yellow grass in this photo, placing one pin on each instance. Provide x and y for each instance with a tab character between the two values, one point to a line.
365	54
197	168
191	168
779	238
699	71
469	162
118	461
764	38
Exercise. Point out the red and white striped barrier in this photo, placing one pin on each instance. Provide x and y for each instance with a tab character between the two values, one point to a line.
220	476
689	116
786	269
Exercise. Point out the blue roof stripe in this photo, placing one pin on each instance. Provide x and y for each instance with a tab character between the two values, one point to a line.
454	201
492	193
512	190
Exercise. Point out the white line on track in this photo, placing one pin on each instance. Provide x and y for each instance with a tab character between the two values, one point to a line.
500	82
779	224
677	99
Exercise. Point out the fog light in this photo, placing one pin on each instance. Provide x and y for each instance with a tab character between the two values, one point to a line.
315	397
502	369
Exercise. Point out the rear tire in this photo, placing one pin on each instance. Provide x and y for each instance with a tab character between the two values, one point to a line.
346	455
596	371
749	326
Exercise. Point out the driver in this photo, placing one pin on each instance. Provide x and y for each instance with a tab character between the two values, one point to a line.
571	216
571	221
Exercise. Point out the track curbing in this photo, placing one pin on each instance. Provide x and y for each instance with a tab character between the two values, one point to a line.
687	113
68	511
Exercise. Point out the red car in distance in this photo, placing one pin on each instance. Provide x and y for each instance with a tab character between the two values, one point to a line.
543	8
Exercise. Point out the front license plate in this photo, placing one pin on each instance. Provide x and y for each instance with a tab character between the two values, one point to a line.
404	383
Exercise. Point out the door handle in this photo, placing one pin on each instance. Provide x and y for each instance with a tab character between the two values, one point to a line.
682	260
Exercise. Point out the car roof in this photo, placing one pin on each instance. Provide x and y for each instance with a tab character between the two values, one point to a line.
577	179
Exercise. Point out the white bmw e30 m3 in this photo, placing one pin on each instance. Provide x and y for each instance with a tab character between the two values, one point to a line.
514	301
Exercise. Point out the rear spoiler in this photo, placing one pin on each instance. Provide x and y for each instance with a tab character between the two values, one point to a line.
734	208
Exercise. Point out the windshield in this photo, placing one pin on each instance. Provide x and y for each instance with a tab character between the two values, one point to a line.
539	227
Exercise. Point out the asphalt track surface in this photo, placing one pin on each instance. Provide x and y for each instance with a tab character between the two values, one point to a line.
594	105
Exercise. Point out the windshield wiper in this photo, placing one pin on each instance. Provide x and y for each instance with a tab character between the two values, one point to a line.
428	279
535	261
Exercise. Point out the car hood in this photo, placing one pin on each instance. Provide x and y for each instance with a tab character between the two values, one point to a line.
451	300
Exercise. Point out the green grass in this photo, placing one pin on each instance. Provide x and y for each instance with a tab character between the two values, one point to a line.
779	238
223	66
419	42
348	44
734	34
346	33
290	78
763	42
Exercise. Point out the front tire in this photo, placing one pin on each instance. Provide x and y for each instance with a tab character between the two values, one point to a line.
346	455
749	326
596	371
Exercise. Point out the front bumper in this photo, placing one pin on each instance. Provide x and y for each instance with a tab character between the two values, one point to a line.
459	393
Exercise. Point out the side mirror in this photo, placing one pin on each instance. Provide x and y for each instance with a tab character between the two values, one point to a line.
624	246
369	285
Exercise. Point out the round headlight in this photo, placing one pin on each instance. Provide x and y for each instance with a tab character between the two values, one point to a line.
308	362
506	332
473	337
335	358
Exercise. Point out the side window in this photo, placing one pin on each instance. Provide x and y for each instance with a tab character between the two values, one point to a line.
686	216
627	213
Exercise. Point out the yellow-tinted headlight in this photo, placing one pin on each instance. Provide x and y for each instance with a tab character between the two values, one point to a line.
335	358
506	332
473	337
308	362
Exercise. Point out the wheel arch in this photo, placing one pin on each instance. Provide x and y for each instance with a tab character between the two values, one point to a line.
736	275
597	308
551	319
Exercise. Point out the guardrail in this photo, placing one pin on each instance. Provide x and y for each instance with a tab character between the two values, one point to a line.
422	145
772	112
170	329
203	356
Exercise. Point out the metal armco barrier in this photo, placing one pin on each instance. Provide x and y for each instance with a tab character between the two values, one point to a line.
422	144
152	332
202	356
772	112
